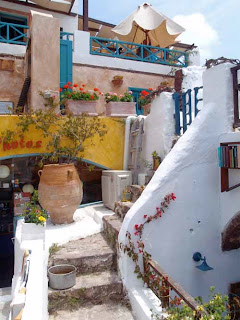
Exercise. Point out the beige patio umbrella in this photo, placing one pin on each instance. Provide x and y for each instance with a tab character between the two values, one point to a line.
148	26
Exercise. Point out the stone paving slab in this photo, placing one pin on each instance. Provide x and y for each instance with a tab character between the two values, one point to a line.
90	254
97	312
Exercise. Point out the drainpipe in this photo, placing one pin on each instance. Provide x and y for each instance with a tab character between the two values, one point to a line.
85	15
126	143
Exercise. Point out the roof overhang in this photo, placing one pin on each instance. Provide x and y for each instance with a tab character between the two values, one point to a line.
63	6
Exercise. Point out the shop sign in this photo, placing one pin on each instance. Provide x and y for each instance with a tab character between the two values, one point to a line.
22	144
20	199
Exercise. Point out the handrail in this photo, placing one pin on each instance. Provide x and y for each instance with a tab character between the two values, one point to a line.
168	283
136	51
19	36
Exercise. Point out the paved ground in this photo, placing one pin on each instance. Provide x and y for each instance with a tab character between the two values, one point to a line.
98	312
5	299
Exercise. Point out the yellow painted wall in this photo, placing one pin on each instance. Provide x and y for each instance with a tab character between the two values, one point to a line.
108	153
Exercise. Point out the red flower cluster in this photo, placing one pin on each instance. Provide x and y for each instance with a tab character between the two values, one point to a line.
144	93
176	301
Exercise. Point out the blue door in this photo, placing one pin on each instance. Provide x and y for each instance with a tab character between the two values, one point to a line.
136	93
65	62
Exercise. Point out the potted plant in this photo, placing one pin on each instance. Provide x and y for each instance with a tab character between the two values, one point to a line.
120	105
145	101
33	226
156	160
117	80
78	99
60	188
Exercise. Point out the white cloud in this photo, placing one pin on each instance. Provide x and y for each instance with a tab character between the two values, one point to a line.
198	31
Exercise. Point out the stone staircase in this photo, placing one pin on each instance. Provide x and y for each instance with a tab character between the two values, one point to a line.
98	293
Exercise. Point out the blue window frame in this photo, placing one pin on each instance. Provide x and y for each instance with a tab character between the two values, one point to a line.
136	93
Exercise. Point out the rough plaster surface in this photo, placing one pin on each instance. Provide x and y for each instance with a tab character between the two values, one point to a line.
194	221
102	78
45	57
11	82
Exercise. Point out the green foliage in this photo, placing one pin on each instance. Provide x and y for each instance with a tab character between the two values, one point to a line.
34	212
53	249
66	134
216	308
78	95
155	154
126	97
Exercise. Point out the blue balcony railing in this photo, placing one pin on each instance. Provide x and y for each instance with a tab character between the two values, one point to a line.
186	108
66	36
13	33
136	51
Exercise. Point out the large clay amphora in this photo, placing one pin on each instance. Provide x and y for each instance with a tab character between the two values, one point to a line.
60	191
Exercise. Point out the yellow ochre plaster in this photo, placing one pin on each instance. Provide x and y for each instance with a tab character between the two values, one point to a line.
107	153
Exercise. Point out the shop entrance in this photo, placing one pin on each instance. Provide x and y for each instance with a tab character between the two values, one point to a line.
15	174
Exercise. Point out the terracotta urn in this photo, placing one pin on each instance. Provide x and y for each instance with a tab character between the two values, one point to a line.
77	107
120	109
60	191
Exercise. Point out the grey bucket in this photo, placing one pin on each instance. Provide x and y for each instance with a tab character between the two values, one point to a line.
62	276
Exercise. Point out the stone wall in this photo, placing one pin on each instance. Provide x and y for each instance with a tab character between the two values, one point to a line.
101	77
11	79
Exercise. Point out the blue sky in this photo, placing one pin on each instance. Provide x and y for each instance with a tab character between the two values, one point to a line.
214	25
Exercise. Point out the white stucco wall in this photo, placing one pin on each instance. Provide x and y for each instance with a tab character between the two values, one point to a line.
12	49
193	77
67	22
159	127
195	220
82	55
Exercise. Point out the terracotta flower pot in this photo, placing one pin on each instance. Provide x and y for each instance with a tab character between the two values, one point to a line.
120	109
77	107
117	82
60	191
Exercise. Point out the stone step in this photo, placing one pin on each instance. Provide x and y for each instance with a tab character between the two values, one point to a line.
108	311
95	288
91	254
111	228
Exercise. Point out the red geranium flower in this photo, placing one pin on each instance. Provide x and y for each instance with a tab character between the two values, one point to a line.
60	89
173	196
150	89
75	85
83	85
65	86
69	82
96	89
69	96
92	97
81	89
